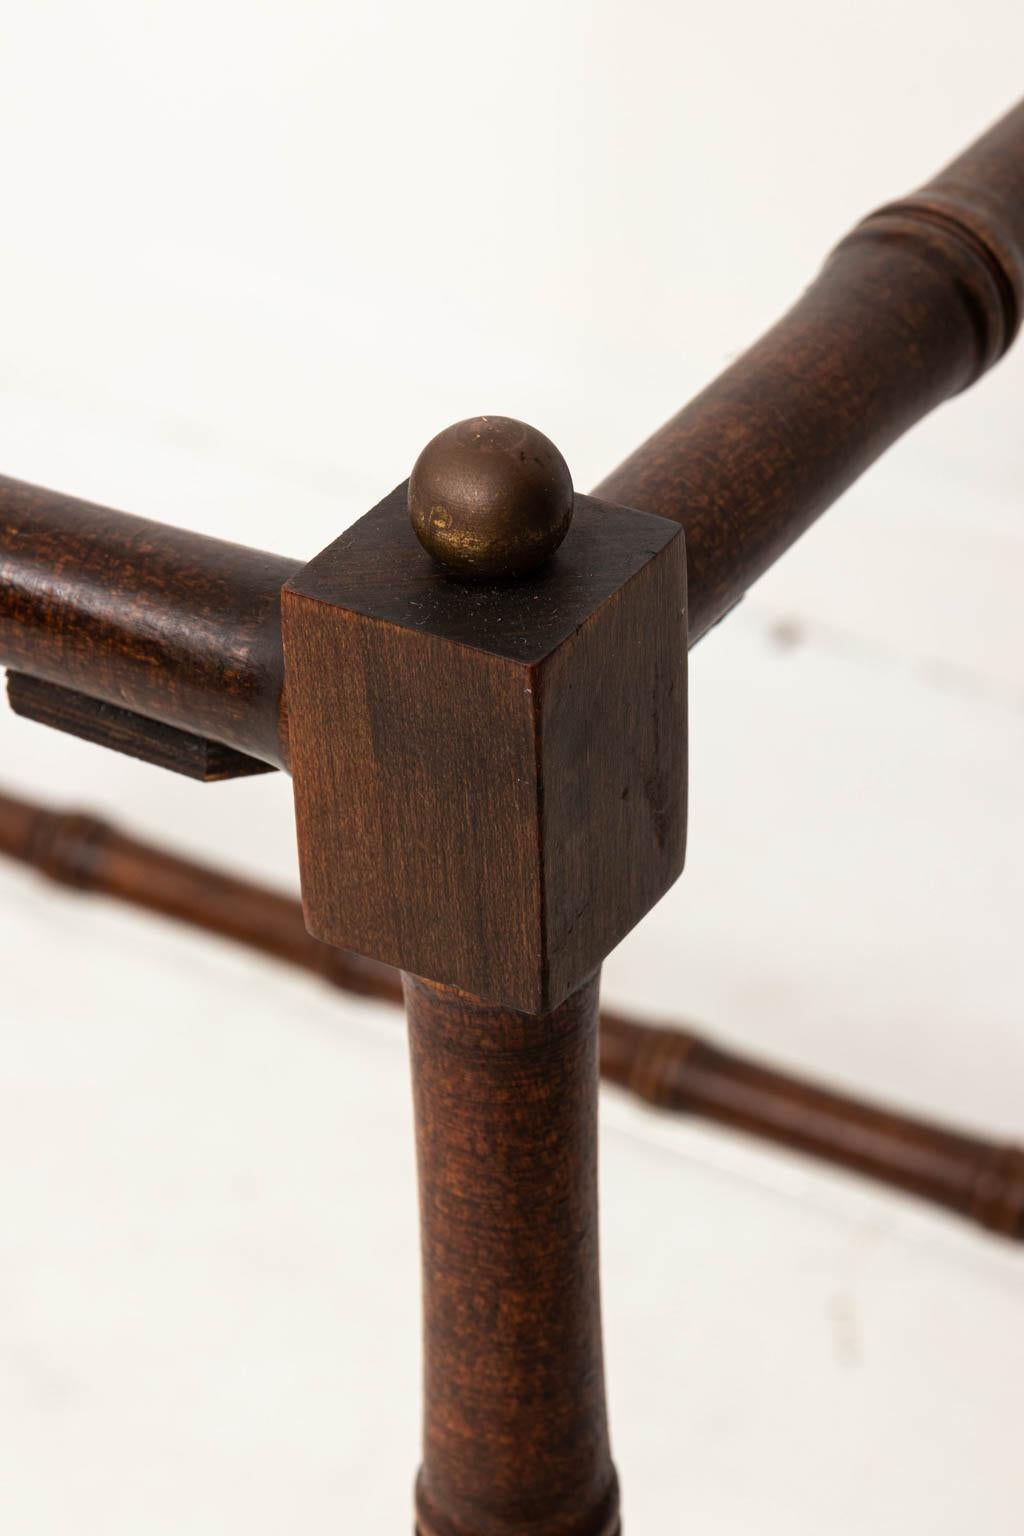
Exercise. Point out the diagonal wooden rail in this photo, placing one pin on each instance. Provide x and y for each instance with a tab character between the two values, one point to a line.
669	1067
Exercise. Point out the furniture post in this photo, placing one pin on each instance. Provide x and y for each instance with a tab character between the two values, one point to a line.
515	1433
506	799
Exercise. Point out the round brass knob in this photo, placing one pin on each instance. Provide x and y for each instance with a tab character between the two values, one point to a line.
490	498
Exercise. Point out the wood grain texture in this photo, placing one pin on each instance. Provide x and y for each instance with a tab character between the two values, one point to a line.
490	782
911	308
121	730
171	625
515	1434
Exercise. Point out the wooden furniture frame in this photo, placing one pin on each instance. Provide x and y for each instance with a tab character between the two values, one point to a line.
490	777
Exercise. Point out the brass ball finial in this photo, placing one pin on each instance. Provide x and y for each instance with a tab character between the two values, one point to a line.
490	498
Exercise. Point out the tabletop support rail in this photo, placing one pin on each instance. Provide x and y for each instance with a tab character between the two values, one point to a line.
912	307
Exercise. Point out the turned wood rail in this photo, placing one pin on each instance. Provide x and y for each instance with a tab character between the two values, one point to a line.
911	308
489	777
668	1067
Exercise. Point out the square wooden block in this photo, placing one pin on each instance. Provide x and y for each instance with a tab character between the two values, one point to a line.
490	780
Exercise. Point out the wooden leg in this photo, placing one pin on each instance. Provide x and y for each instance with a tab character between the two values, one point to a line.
515	1439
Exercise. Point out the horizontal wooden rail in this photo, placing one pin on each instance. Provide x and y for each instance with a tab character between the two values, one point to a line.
78	850
913	306
168	624
677	1071
910	308
670	1068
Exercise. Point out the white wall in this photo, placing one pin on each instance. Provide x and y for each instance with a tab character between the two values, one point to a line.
253	256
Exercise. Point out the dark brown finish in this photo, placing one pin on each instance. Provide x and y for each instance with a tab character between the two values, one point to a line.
675	1070
490	498
105	725
911	308
671	1068
171	625
489	778
515	1436
87	854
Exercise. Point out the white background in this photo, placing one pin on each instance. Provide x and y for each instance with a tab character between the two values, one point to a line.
253	257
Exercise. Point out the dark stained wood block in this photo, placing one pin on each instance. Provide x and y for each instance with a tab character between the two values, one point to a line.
122	730
490	778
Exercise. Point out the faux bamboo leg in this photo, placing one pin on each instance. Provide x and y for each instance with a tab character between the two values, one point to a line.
515	1436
